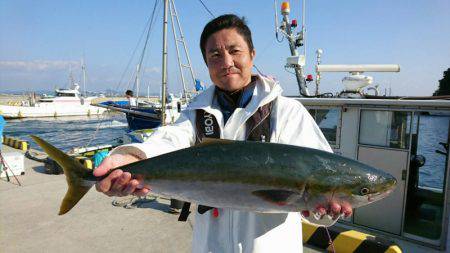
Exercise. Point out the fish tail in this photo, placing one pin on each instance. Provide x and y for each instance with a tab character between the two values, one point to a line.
77	176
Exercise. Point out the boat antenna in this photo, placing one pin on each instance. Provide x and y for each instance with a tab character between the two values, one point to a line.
83	68
319	53
295	61
303	31
71	79
277	35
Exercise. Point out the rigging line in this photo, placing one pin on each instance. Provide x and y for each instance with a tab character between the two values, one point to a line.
147	57
257	69
146	40
330	241
94	135
134	52
210	13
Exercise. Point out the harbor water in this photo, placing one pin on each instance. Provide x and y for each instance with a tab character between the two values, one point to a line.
69	132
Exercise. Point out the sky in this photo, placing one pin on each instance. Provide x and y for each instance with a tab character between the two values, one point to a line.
42	42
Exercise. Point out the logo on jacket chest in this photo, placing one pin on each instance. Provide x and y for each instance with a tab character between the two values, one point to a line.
209	124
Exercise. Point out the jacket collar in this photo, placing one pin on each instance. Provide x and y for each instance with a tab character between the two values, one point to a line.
266	90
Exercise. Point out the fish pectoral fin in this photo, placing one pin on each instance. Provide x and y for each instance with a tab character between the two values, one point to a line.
210	141
279	196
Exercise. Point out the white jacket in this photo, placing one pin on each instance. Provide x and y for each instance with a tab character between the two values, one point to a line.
237	231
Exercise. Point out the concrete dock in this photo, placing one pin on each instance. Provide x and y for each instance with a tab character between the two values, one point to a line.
29	221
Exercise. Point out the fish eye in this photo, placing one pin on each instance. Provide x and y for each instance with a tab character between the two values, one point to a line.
364	191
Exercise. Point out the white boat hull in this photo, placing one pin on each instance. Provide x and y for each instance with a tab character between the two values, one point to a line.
49	110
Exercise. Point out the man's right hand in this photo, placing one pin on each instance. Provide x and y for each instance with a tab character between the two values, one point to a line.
119	183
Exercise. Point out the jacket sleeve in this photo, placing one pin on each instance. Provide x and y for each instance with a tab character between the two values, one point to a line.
165	139
295	126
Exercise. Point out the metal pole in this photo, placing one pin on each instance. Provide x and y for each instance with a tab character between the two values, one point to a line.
304	27
164	66
299	73
172	14
184	44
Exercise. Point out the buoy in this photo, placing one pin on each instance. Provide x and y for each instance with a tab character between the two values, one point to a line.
24	145
16	144
88	164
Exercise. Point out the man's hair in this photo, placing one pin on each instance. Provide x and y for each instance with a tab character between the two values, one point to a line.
227	21
129	93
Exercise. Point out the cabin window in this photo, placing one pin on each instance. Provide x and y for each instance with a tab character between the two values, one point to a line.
385	128
329	122
59	94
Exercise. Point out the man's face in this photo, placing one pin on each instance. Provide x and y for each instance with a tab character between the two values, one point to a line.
229	60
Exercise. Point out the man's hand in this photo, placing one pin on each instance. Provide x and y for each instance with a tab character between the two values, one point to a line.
333	209
118	183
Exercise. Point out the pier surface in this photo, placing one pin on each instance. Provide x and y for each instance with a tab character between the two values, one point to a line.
29	219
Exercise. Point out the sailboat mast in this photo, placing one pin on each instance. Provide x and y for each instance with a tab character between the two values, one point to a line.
164	66
138	81
83	67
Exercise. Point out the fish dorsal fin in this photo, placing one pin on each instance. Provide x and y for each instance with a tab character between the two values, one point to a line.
211	141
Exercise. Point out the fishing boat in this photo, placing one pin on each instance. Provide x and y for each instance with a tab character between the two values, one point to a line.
396	134
65	102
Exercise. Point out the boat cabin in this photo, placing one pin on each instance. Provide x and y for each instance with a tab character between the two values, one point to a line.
410	140
64	94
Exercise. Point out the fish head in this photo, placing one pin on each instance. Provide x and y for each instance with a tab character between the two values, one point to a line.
346	183
372	187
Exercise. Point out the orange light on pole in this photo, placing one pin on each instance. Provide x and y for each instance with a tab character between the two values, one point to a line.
285	8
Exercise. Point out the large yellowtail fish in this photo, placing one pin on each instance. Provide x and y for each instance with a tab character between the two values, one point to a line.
250	176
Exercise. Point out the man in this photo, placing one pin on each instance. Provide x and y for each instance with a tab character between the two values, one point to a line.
131	99
240	106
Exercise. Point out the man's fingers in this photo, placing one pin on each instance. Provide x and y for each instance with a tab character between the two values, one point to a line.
321	211
120	182
105	185
334	208
131	187
112	162
346	209
141	192
104	167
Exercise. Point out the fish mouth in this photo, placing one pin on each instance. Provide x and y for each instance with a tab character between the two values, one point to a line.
380	195
386	189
